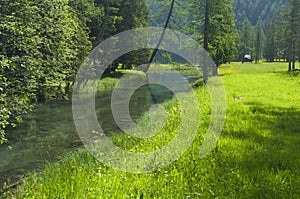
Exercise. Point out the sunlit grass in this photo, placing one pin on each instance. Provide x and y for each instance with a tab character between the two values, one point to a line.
257	155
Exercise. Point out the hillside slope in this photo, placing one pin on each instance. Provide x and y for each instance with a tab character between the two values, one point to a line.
254	10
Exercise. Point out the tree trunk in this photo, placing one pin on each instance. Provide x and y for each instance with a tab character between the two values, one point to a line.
206	24
293	65
161	37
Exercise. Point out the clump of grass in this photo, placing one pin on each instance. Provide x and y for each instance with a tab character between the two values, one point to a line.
257	155
108	81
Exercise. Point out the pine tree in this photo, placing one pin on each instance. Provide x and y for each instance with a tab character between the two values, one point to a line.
258	45
135	14
270	46
110	19
258	9
219	33
293	32
245	41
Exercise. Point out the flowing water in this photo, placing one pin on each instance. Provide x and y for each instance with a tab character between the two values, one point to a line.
49	131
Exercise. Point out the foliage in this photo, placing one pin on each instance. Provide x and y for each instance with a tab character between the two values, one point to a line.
189	17
245	40
44	42
275	48
259	41
91	14
42	45
257	10
257	155
135	14
108	26
219	30
293	32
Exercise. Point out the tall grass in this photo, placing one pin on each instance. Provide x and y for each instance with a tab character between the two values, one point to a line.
257	155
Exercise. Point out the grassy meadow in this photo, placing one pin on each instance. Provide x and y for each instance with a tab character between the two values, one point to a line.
257	155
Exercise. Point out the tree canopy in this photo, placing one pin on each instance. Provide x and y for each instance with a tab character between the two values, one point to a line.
44	42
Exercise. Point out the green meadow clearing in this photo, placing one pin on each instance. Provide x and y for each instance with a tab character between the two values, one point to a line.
257	155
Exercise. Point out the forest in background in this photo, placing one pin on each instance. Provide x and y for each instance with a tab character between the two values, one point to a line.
263	27
44	42
258	10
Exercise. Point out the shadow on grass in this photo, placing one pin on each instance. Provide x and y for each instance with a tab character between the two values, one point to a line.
288	73
265	150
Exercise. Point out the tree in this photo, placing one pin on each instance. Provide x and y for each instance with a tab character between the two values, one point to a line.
258	45
219	34
156	50
91	14
293	32
110	19
214	29
176	15
42	45
275	43
271	42
18	65
135	14
245	39
255	10
65	43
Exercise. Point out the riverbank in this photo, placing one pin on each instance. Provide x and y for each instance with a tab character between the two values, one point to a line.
257	155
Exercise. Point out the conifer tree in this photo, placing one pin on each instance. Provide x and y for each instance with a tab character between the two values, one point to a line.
258	44
219	34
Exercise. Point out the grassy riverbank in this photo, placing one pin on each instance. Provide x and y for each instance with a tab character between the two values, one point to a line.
257	155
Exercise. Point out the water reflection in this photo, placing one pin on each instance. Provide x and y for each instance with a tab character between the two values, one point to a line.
49	130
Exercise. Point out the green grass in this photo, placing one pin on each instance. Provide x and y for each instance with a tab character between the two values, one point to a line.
109	81
257	155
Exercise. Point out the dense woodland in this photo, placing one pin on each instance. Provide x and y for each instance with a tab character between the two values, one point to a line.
44	42
257	10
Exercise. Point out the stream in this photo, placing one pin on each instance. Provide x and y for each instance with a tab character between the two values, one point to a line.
49	131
